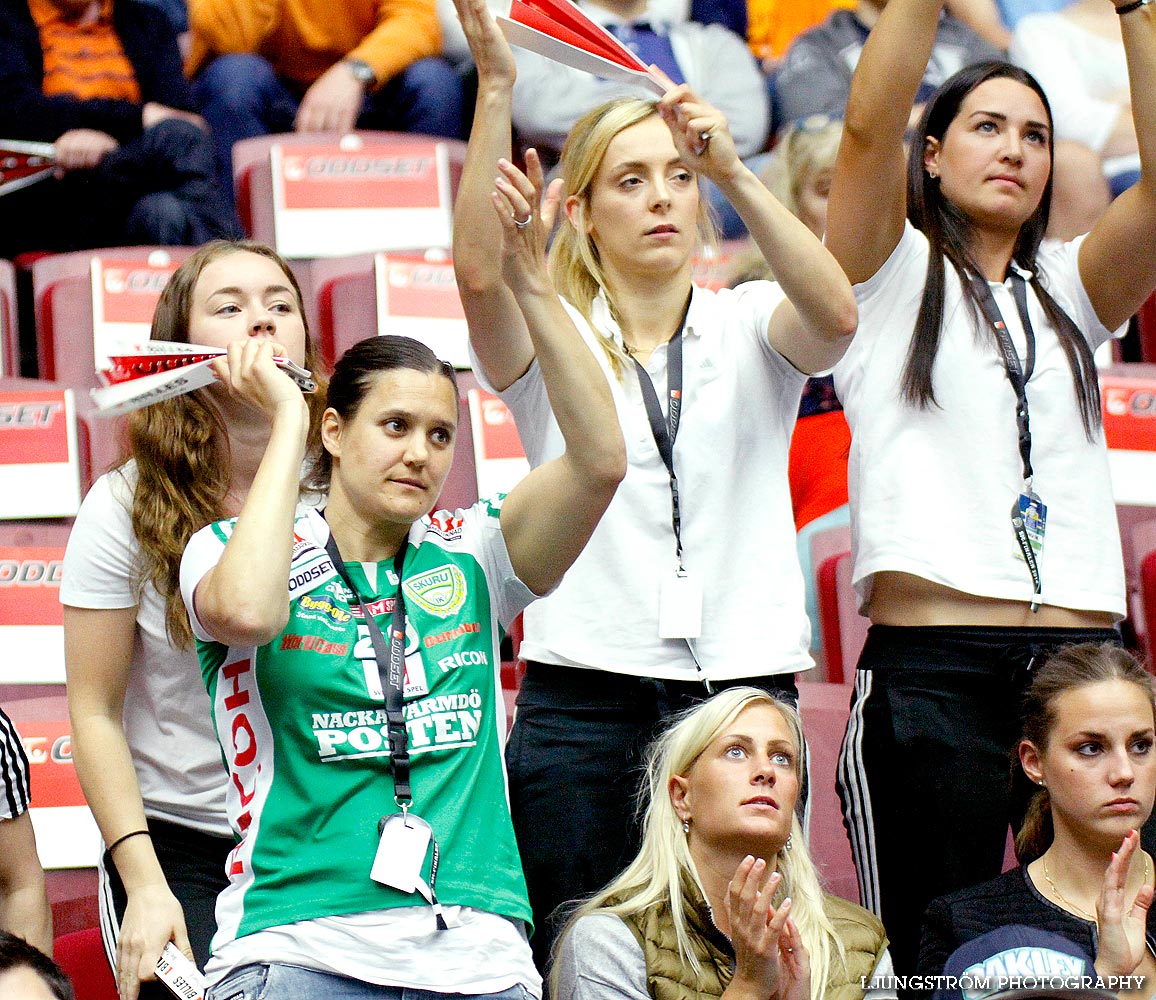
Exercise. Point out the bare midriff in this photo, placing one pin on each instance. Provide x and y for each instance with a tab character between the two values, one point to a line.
904	599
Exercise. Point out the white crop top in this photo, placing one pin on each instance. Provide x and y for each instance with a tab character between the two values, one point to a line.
932	489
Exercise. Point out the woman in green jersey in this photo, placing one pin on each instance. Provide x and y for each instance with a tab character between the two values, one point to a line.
351	656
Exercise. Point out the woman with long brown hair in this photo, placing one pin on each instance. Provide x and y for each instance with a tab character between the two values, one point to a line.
143	742
1087	756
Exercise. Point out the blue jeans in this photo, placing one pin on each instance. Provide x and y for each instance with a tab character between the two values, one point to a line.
291	982
241	97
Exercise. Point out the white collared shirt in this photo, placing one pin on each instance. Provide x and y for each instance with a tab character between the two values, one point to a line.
740	399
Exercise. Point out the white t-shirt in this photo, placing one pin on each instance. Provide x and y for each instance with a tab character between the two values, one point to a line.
739	402
167	719
932	489
480	953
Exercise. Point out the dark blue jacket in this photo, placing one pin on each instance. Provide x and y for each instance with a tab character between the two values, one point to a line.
150	45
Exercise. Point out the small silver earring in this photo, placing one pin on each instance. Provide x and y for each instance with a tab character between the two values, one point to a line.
686	826
790	839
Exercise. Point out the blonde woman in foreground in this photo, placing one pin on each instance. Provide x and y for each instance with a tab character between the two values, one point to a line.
723	899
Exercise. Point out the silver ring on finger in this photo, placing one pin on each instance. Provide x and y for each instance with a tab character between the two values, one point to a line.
523	223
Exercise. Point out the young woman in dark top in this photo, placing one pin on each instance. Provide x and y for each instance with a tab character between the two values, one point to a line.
1087	748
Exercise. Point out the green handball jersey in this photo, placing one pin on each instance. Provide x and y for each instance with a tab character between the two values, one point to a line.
302	726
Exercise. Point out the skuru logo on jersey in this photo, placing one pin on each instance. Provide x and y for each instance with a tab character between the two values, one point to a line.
441	591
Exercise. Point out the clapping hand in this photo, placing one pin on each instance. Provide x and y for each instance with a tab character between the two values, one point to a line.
770	959
1122	922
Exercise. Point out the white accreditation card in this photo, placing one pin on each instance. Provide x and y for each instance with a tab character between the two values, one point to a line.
680	606
401	851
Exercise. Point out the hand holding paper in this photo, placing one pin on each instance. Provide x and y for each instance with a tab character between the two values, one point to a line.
700	132
155	370
253	375
23	163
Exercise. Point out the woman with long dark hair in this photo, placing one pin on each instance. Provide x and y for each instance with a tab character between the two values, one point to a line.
982	513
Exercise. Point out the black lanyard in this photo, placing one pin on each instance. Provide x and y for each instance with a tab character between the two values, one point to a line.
1018	376
390	668
665	431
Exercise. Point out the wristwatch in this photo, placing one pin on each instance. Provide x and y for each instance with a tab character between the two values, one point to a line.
361	70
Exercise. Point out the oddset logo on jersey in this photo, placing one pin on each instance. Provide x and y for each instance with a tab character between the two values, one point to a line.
441	591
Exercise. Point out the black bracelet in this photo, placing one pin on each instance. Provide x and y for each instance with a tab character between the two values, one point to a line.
139	833
1134	5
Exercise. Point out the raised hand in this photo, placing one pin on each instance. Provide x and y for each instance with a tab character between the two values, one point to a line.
700	132
492	55
770	960
1122	921
796	962
526	215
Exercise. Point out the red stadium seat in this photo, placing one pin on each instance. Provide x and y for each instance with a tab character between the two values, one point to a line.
81	955
9	331
345	302
253	173
826	536
83	418
825	708
1148	601
1146	323
62	289
844	629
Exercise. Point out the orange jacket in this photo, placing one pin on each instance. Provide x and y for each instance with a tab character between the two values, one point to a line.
303	38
